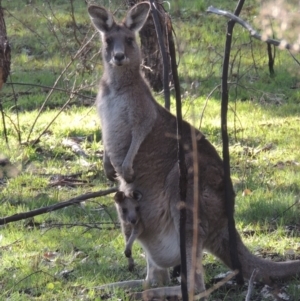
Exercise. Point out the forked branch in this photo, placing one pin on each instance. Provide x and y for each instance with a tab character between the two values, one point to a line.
282	44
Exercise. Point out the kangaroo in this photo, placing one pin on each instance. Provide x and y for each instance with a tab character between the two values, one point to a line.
122	59
128	208
140	146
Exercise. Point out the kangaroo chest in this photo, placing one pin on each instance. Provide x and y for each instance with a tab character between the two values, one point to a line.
115	121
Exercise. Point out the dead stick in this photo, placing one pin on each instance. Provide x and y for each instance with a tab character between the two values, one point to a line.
182	170
229	196
216	286
49	88
78	199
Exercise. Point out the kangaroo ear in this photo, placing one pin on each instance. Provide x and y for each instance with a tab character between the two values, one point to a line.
119	196
137	195
102	19
137	16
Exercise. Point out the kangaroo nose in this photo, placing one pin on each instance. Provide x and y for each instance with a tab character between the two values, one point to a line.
133	221
119	56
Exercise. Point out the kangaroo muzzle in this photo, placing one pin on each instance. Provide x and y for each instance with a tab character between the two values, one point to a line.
118	55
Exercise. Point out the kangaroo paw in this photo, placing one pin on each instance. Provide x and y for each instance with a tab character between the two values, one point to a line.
128	173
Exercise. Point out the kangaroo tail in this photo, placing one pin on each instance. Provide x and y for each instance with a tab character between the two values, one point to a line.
267	271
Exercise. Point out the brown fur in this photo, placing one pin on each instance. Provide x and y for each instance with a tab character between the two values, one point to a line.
139	138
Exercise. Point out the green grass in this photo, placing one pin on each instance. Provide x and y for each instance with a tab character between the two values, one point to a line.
66	254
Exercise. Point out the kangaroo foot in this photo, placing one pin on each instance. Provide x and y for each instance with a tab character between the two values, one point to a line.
127	253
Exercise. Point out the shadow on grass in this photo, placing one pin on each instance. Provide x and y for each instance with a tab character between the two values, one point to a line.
281	207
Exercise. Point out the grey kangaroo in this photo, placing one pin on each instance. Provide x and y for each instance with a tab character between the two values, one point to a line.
128	208
139	138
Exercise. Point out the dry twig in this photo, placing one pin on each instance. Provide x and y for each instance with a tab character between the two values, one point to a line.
206	293
76	200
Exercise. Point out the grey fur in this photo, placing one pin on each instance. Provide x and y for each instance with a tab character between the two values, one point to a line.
139	138
128	208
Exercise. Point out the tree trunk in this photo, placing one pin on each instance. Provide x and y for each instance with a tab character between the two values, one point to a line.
152	59
4	50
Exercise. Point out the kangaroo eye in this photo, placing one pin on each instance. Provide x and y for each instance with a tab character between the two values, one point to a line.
137	208
129	41
108	41
124	210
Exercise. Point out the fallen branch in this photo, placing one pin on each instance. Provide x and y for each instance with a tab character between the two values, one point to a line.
282	44
76	200
89	226
75	147
9	245
46	88
206	293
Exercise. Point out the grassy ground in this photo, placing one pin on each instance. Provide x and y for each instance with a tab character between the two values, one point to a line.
66	254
